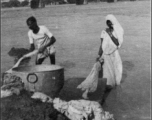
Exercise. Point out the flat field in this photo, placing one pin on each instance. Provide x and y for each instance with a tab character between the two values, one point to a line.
77	30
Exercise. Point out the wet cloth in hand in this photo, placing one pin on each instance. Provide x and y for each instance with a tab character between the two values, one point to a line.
91	82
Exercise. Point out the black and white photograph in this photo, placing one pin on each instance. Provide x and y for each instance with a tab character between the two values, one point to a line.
75	60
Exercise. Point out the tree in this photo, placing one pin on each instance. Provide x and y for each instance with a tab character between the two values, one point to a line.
14	3
42	3
25	3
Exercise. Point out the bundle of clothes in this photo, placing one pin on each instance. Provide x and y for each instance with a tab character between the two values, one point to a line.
82	110
12	84
76	109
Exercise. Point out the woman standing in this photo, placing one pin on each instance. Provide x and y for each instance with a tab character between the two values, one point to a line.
111	40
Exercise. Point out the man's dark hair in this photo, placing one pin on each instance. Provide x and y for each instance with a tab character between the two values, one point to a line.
32	19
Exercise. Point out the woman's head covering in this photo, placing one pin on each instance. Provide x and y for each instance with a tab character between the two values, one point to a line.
117	28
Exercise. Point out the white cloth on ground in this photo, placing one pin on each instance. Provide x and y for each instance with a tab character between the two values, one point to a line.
43	97
81	109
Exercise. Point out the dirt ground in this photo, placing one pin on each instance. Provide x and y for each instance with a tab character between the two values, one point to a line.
77	30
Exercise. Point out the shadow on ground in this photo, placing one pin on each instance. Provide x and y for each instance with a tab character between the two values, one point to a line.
70	91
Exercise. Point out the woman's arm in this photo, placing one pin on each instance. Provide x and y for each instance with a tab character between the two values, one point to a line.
100	51
115	40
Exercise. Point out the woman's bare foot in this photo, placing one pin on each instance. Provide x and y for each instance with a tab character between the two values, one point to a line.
85	95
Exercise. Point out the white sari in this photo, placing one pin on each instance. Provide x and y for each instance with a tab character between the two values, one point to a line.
112	67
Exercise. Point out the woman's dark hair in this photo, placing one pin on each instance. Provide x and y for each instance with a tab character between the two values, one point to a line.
32	19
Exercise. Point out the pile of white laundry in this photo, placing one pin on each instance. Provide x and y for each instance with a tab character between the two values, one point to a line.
77	109
12	84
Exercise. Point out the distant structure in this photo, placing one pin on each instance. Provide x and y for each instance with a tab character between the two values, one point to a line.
42	3
111	1
37	3
34	4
